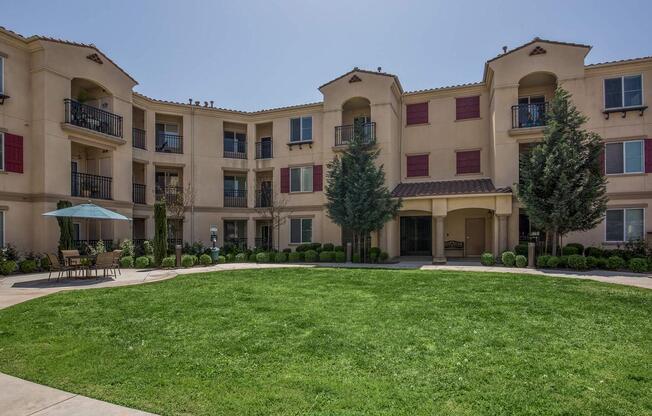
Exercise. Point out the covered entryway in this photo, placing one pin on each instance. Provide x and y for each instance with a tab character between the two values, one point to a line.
416	236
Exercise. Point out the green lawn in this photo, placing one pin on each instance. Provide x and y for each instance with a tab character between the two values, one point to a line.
343	342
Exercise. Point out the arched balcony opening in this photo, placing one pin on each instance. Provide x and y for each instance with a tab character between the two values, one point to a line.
90	106
356	119
535	90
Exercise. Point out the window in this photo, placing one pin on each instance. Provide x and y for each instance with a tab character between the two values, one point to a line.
235	183
2	151
301	129
416	113
624	157
622	92
235	142
417	165
301	179
468	162
467	107
300	230
625	224
2	75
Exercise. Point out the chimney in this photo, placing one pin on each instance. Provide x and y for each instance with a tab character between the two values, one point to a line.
504	49
189	101
211	103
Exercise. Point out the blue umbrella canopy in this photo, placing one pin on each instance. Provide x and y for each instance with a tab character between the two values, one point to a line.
89	211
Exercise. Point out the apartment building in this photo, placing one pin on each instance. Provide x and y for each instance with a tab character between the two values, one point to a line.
72	128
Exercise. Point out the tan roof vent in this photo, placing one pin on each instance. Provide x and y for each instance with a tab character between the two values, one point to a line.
538	51
95	58
354	78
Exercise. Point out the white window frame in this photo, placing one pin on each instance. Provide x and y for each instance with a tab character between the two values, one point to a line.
301	184
624	224
312	130
2	150
624	172
301	230
622	92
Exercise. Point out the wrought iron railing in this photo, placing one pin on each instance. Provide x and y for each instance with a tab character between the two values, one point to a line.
173	242
138	193
344	134
529	115
83	245
139	138
90	186
264	198
235	198
170	194
92	118
235	155
264	150
169	143
240	242
264	243
138	242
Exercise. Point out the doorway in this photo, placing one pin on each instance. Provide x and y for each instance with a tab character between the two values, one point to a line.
416	236
475	236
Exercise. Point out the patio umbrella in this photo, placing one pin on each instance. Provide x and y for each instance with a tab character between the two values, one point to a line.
88	211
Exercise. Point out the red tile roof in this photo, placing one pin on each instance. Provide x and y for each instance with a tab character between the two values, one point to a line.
440	188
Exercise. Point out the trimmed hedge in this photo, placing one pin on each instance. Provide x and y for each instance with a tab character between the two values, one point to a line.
638	265
615	262
221	259
508	258
591	262
280	257
521	249
576	261
241	257
27	266
127	262
569	250
310	256
252	257
295	257
340	257
141	262
521	261
542	261
383	256
327	256
328	247
205	260
355	258
186	261
593	252
487	259
602	263
168	262
230	257
339	248
563	261
262	257
553	262
8	267
578	246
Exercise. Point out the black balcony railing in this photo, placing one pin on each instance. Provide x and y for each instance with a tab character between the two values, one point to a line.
235	198
90	186
138	193
235	155
169	143
139	140
170	194
92	118
173	242
264	198
83	245
139	242
240	242
344	134
264	150
264	243
529	115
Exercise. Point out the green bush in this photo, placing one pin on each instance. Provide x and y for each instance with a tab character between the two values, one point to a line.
280	257
591	262
168	262
262	257
563	261
328	247
383	256
340	256
520	249
295	257
327	256
252	257
152	261
578	246
27	266
205	260
374	250
339	248
508	258
221	259
602	263
638	265
355	258
311	256
569	250
553	261
576	261
127	262
142	262
230	257
542	261
521	261
315	246
302	247
186	260
127	247
487	259
615	262
373	257
287	250
45	263
240	257
195	259
8	267
593	252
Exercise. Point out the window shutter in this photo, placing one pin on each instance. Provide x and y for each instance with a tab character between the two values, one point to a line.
417	165
285	180
13	153
317	178
416	113
468	162
648	155
467	107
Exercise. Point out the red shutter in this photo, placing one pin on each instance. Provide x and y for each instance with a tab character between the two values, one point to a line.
468	162
417	165
317	178
285	180
467	107
13	153
648	156
416	113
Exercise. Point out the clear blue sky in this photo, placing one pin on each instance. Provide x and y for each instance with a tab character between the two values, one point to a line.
251	55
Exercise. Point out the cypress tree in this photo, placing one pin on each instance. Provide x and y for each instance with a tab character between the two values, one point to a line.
160	232
66	229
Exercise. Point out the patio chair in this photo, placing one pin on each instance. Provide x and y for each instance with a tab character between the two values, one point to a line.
56	266
116	260
71	259
104	262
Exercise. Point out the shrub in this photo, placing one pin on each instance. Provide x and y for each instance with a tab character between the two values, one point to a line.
45	263
252	257
287	250
508	258
383	256
186	260
602	263
327	256
542	261
315	246
355	258
591	262
205	260
310	256
221	259
168	262
521	261
553	261
563	261
340	256
373	257
27	266
569	250
262	257
127	262
240	257
302	247
615	262
520	249
230	257
578	246
328	247
593	252
148	248
638	265
487	259
152	262
281	257
195	259
141	262
294	257
374	250
8	267
127	247
576	261
339	248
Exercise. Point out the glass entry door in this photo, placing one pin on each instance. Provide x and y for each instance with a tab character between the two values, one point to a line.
416	236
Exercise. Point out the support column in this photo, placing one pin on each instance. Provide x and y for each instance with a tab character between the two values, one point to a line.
438	240
251	232
502	233
251	188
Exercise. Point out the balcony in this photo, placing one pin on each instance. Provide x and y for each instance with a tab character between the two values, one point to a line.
235	155
529	115
138	193
90	186
169	143
344	134
264	198
139	141
235	198
170	194
264	150
83	245
92	118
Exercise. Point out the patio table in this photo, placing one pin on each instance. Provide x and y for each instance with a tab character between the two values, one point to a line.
80	266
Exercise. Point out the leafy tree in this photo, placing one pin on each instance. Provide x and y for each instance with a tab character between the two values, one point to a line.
160	232
357	198
561	181
66	229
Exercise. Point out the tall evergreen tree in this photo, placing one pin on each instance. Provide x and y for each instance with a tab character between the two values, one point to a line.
357	198
561	181
160	231
66	229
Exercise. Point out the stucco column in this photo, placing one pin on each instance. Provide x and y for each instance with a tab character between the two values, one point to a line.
502	233
251	188
392	237
438	239
251	232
